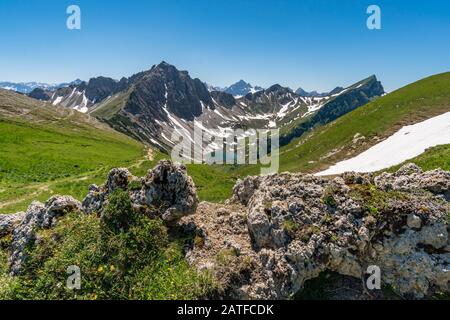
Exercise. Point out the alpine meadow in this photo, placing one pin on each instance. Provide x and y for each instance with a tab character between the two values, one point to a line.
324	175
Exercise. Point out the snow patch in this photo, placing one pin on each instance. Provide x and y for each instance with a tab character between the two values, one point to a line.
407	143
57	100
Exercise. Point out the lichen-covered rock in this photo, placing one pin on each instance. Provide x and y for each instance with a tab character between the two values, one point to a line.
9	221
118	178
243	189
93	200
410	177
302	225
37	216
168	189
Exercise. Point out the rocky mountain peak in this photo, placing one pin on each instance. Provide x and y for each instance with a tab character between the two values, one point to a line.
242	88
165	89
277	88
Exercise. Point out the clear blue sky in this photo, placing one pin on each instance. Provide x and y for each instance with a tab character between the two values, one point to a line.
316	44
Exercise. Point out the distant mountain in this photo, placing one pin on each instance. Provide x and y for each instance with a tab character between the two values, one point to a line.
82	95
163	100
304	93
151	105
27	87
242	88
213	88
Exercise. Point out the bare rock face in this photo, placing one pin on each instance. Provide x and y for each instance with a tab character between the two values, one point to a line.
37	216
301	225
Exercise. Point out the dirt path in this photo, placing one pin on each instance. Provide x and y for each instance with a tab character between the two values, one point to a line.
31	196
150	154
35	191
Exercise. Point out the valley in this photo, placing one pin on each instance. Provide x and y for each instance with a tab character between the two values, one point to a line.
218	152
49	150
329	129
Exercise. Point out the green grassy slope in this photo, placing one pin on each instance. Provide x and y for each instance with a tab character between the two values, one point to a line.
46	149
433	158
376	120
49	150
108	108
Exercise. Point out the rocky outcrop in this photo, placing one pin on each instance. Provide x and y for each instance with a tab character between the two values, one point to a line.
170	190
279	231
301	225
410	177
37	216
166	192
9	221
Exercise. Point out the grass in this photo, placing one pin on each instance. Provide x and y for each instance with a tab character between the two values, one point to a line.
433	158
49	150
122	255
110	107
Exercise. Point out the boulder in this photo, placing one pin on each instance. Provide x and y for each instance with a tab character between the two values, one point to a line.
410	177
168	189
37	216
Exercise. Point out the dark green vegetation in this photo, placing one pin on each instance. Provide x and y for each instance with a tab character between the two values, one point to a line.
122	255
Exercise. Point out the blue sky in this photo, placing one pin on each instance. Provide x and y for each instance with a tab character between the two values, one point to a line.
315	44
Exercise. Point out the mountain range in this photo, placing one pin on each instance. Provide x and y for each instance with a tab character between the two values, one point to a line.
150	105
304	93
241	88
27	87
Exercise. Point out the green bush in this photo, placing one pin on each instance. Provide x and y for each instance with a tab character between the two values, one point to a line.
119	215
